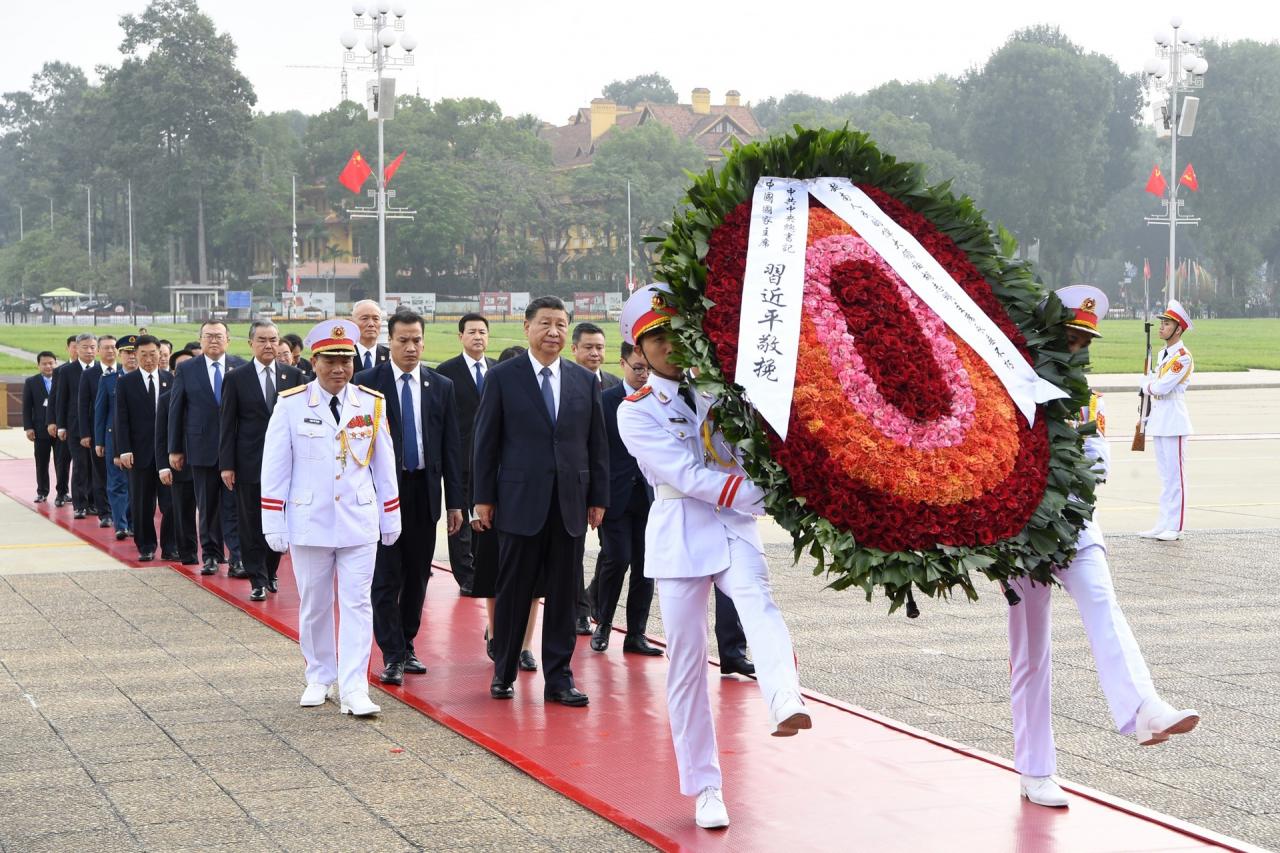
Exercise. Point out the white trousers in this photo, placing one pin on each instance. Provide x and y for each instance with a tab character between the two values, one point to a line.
1122	672
347	660
1169	464
684	620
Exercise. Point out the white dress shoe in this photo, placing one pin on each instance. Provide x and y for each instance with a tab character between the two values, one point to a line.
1043	791
359	705
1157	719
1150	534
711	813
788	714
1169	535
314	695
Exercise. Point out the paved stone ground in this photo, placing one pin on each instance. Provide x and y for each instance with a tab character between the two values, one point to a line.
140	712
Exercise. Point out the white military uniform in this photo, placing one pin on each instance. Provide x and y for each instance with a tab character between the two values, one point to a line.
701	531
1168	425
330	487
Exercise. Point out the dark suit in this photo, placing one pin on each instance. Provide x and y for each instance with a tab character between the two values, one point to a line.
587	600
467	398
622	532
177	527
401	571
542	477
379	354
104	428
193	430
36	417
136	413
67	412
87	397
61	449
242	434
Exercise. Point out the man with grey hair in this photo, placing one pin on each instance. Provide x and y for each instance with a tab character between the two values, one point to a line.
70	430
367	315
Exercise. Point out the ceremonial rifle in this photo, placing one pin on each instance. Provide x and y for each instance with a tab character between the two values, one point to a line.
1144	404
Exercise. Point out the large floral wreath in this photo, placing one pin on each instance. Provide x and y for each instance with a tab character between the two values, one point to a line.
906	463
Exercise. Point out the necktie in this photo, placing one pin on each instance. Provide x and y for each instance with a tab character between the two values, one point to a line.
409	425
479	380
686	394
333	407
217	383
368	361
547	396
151	389
600	380
269	389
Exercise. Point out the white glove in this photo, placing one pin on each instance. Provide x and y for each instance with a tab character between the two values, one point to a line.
750	498
389	539
278	542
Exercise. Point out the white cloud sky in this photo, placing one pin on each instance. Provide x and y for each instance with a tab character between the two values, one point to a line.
551	57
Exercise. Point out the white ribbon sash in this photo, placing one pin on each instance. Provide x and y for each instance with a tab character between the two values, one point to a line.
772	297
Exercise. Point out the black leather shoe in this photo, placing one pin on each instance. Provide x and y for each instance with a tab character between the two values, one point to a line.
258	593
488	644
120	535
170	556
600	639
60	500
236	570
93	510
392	673
501	690
737	666
79	514
190	561
464	591
41	499
413	666
210	567
273	585
583	627
528	663
104	521
146	557
570	696
639	645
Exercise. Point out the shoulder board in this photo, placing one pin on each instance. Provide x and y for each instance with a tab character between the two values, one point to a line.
296	389
367	390
639	395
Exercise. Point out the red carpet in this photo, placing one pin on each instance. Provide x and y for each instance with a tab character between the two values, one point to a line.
855	782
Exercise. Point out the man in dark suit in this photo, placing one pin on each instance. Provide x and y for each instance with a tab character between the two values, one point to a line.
248	399
178	526
622	533
67	417
467	370
424	431
61	452
36	419
138	395
104	428
87	397
367	315
541	469
296	357
193	440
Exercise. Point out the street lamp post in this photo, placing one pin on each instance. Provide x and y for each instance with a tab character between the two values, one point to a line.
382	19
1178	66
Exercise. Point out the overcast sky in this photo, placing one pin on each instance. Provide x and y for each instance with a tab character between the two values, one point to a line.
551	57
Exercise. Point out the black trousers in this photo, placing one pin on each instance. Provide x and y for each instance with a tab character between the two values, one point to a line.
231	522
259	560
61	466
731	640
144	484
461	560
182	518
521	562
622	548
81	475
99	468
209	489
43	450
401	572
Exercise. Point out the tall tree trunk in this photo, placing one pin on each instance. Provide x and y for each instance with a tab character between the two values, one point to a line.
201	252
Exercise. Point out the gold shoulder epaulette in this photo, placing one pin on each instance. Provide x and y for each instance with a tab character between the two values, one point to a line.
296	389
377	394
639	395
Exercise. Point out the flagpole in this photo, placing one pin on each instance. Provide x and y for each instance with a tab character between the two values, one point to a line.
293	246
133	308
630	253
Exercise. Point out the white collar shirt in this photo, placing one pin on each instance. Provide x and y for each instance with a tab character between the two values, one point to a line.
415	389
154	378
361	349
266	373
555	378
222	366
472	364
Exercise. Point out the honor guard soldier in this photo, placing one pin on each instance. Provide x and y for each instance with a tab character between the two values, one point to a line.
1168	423
1136	707
701	532
329	495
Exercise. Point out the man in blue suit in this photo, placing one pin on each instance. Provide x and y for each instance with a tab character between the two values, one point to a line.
36	417
86	398
105	446
424	432
541	475
194	408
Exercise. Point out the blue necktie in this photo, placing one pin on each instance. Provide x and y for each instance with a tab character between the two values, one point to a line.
409	425
217	383
547	396
479	380
368	362
48	385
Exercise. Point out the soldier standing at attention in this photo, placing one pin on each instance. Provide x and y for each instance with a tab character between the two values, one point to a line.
701	532
1169	424
329	495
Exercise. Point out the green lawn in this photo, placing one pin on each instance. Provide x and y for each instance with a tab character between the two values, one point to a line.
1218	345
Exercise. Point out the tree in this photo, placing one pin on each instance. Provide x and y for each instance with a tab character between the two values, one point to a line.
646	87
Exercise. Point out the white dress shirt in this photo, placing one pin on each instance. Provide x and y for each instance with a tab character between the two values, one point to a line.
555	378
361	349
415	386
222	366
471	366
265	375
154	377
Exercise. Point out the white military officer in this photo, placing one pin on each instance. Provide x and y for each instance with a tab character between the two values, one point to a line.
1136	707
1168	424
329	494
701	532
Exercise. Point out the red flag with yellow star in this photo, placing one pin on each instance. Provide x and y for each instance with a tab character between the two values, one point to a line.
355	173
1189	179
1156	184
